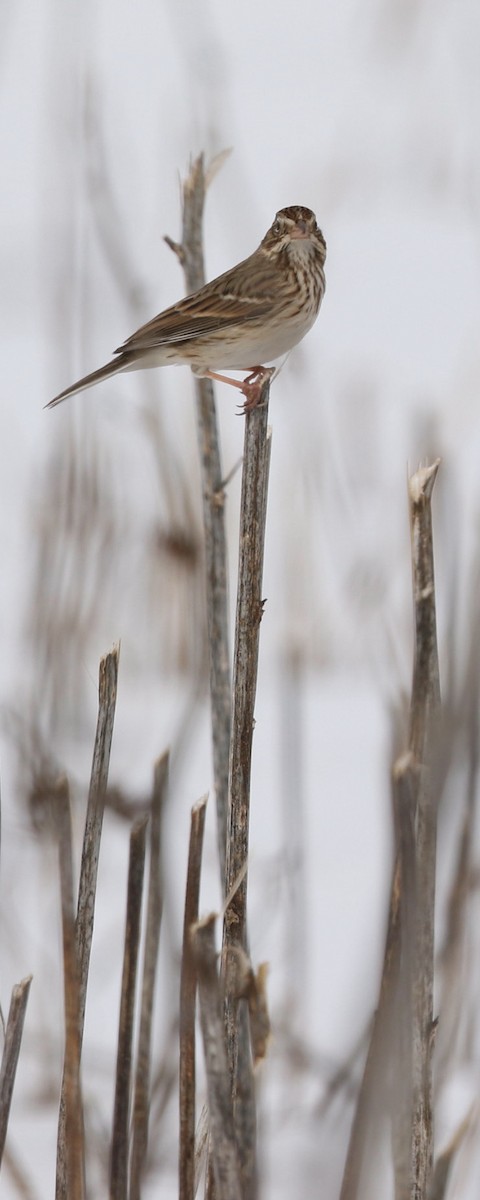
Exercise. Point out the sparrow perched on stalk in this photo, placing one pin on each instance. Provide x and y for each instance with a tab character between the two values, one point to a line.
253	314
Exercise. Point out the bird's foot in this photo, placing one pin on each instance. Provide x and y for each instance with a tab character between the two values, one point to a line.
253	386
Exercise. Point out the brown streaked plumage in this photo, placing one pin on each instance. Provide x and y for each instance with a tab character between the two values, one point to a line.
254	313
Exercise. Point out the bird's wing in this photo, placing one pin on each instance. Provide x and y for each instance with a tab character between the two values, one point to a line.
236	296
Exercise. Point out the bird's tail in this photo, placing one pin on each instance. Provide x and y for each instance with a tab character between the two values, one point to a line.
112	368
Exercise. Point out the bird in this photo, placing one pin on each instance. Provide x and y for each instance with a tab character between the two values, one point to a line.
252	314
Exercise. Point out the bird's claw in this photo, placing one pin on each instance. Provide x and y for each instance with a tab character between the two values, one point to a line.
253	386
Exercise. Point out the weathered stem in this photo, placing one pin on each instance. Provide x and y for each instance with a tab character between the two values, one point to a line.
11	1051
425	710
107	689
403	1026
253	507
405	784
222	1129
425	702
150	957
120	1139
190	254
188	987
71	1152
107	699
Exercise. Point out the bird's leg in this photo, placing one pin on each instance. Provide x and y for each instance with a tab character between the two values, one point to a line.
251	386
219	378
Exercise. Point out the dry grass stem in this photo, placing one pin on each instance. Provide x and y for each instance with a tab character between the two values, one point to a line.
401	1044
70	1170
11	1050
256	461
403	1028
190	254
188	987
150	957
120	1138
222	1130
108	678
425	700
424	723
247	636
249	614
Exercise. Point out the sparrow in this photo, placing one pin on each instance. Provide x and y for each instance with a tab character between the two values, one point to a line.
252	314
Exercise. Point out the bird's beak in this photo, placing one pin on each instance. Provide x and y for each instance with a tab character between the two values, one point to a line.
300	230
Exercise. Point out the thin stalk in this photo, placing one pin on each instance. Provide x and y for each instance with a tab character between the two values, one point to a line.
188	987
190	254
425	711
223	1144
107	690
11	1051
150	958
71	1150
253	506
121	1113
107	699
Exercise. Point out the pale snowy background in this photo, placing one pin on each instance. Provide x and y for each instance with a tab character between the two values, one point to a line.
369	113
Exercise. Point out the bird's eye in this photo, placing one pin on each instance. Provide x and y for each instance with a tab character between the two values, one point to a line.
276	227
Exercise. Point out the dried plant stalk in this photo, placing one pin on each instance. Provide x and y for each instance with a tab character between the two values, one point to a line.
93	825
120	1140
253	505
425	702
405	782
152	940
222	1131
403	1025
425	711
188	987
190	254
71	1147
11	1050
108	677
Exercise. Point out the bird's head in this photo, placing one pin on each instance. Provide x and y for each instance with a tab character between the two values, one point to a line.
295	230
